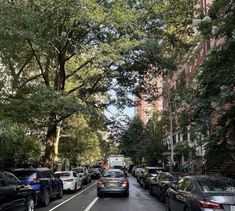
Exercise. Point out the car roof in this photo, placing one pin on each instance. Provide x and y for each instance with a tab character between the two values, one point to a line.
204	177
63	172
153	167
32	169
118	170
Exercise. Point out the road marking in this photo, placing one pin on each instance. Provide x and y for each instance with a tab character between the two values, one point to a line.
91	204
71	197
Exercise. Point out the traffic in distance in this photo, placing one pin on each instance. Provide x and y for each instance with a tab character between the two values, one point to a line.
114	187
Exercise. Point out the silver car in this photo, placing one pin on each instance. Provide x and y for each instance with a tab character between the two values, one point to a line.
202	193
113	181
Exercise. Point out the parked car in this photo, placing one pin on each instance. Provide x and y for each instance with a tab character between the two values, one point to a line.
14	195
71	181
113	181
202	193
160	184
95	173
43	181
82	171
138	173
147	175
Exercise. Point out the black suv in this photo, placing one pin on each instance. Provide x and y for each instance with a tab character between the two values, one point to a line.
14	195
43	181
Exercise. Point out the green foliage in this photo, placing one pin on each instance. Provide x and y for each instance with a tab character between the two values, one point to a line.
80	142
183	149
141	142
17	148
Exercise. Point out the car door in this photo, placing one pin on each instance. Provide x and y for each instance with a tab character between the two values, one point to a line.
18	195
76	178
52	180
156	184
178	200
5	194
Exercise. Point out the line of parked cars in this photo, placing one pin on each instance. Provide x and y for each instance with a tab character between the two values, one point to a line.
182	192
24	188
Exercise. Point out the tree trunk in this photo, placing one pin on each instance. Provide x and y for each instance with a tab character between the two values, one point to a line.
50	146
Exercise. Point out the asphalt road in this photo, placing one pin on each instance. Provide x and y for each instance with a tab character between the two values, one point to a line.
86	200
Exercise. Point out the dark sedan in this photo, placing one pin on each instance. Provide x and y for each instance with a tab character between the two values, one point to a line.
14	196
113	181
202	193
160	184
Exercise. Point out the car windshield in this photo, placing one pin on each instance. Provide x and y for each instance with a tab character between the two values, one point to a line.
113	174
78	170
153	171
25	174
217	185
63	174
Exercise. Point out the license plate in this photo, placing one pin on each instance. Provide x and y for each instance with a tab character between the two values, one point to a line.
112	185
232	208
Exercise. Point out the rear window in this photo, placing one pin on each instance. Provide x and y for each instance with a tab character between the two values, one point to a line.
25	174
217	185
63	174
113	174
153	171
78	170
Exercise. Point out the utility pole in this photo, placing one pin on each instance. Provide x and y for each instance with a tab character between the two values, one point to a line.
171	129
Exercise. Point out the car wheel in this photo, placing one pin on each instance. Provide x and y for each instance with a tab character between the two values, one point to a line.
46	198
150	190
80	186
30	206
162	197
75	187
127	194
60	193
100	195
145	185
167	204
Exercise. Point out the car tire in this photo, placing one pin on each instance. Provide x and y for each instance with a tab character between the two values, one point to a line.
150	190
100	195
80	186
145	185
30	206
60	193
75	188
167	204
162	197
126	194
46	198
186	209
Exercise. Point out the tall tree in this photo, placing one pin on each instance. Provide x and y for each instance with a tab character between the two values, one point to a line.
72	50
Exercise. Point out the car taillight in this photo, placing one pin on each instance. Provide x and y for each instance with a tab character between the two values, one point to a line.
100	182
124	181
208	204
68	180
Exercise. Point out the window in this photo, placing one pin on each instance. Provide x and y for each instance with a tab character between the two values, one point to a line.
2	181
74	174
12	180
49	174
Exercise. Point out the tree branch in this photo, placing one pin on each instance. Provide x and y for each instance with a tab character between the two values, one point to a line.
39	64
75	89
23	66
91	90
31	79
79	68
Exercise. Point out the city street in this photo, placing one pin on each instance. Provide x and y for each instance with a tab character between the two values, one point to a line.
86	199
